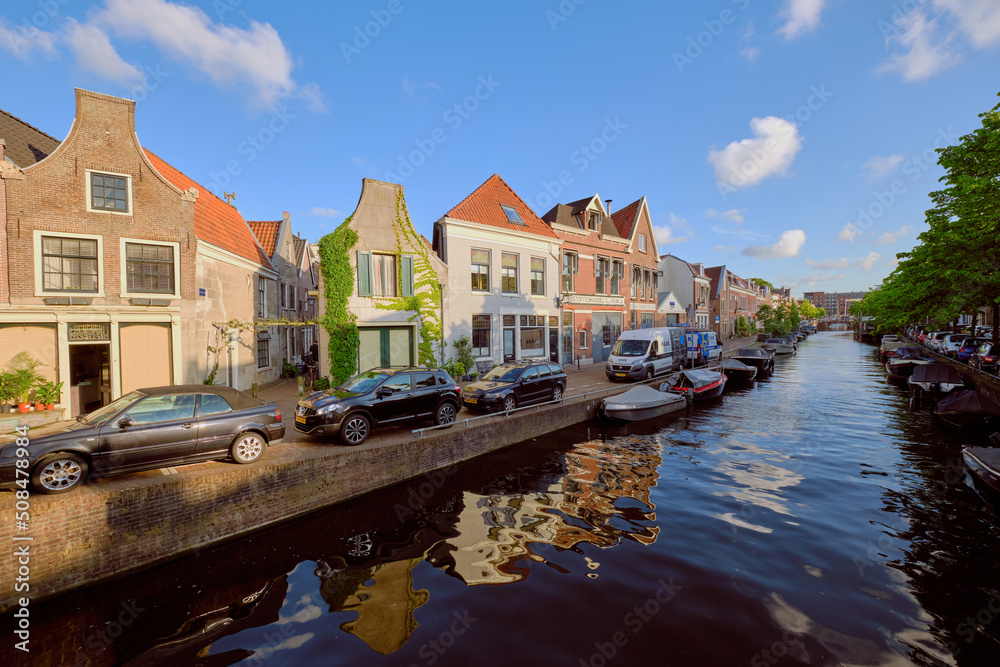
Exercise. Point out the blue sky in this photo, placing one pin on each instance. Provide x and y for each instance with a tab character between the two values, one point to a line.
788	139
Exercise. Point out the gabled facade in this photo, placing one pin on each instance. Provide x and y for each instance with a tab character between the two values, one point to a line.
593	279
107	277
503	267
635	225
731	297
394	271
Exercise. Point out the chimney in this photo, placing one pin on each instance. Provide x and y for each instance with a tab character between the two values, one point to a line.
607	205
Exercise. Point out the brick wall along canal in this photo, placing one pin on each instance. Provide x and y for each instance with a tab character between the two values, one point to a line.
809	520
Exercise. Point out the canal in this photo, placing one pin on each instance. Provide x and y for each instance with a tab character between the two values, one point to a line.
811	519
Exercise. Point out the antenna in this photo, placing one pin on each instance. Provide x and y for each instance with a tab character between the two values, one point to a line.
230	196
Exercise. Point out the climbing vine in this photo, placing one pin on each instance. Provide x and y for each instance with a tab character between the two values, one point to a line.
425	303
338	285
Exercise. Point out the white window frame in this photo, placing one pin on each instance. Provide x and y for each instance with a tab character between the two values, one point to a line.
123	270
39	278
642	243
128	187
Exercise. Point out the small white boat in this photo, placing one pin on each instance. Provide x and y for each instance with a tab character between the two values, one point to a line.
641	402
779	345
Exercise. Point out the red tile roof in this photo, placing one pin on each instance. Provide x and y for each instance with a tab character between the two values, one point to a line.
266	232
483	207
215	221
625	219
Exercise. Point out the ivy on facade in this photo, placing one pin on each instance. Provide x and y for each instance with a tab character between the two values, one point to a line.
425	303
338	285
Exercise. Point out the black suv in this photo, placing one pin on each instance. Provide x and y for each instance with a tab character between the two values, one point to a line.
379	397
516	383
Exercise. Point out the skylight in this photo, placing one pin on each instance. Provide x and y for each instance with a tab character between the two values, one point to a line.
512	215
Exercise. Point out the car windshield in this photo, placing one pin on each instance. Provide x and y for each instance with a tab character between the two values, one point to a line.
630	348
112	408
504	374
364	382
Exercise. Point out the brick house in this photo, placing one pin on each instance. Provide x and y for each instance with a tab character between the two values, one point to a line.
503	287
594	261
394	270
689	286
111	260
635	226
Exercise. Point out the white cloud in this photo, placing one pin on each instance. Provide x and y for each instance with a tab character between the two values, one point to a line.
733	215
815	278
850	232
878	167
725	249
921	57
827	264
801	17
979	19
749	51
228	56
868	263
20	41
94	52
788	245
324	212
314	98
678	231
750	161
893	237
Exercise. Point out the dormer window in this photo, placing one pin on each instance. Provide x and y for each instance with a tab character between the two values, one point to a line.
513	217
595	220
109	192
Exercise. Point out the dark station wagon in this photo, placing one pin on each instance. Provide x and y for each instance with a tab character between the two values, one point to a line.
379	397
148	428
516	383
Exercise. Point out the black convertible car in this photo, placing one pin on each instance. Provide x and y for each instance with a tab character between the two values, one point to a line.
147	428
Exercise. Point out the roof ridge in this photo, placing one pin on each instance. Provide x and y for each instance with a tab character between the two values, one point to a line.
474	191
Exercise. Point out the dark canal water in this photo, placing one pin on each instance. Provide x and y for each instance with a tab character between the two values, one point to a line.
809	520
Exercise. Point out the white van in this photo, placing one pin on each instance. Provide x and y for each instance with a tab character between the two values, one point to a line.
643	353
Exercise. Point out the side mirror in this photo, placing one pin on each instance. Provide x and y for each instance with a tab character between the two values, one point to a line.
125	422
383	392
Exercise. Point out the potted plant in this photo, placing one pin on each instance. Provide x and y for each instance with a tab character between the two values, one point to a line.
48	393
6	391
24	376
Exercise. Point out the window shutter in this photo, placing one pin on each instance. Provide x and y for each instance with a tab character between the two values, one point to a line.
406	275
364	273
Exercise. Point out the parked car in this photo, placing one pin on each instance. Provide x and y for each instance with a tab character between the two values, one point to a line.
148	428
379	397
643	353
949	345
968	347
985	358
516	383
932	339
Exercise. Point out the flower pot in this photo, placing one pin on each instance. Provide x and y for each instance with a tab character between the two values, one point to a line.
39	407
50	406
23	407
7	407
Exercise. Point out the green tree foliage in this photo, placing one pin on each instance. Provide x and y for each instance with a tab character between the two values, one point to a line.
338	285
760	282
956	267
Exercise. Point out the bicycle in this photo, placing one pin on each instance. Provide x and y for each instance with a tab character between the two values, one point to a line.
311	374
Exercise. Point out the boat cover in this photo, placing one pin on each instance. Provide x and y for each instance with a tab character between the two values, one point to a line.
935	373
967	401
735	365
639	397
910	353
988	455
701	378
758	352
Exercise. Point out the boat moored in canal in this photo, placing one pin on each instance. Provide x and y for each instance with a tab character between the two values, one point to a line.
696	384
640	403
780	345
758	357
968	408
737	371
931	382
900	366
984	462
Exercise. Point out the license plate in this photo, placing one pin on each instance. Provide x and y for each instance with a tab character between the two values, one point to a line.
301	420
471	400
621	375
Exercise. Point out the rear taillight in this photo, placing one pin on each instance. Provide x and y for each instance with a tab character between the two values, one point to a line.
988	359
277	415
457	388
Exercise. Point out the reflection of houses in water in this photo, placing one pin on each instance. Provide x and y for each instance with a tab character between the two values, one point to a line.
496	531
383	597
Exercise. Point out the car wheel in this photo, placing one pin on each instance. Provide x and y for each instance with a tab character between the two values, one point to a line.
509	403
649	373
58	473
445	414
557	393
247	447
355	429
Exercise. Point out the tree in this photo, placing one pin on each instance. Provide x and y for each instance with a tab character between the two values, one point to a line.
762	283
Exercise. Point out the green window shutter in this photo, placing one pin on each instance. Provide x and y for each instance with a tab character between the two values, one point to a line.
406	275
364	273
